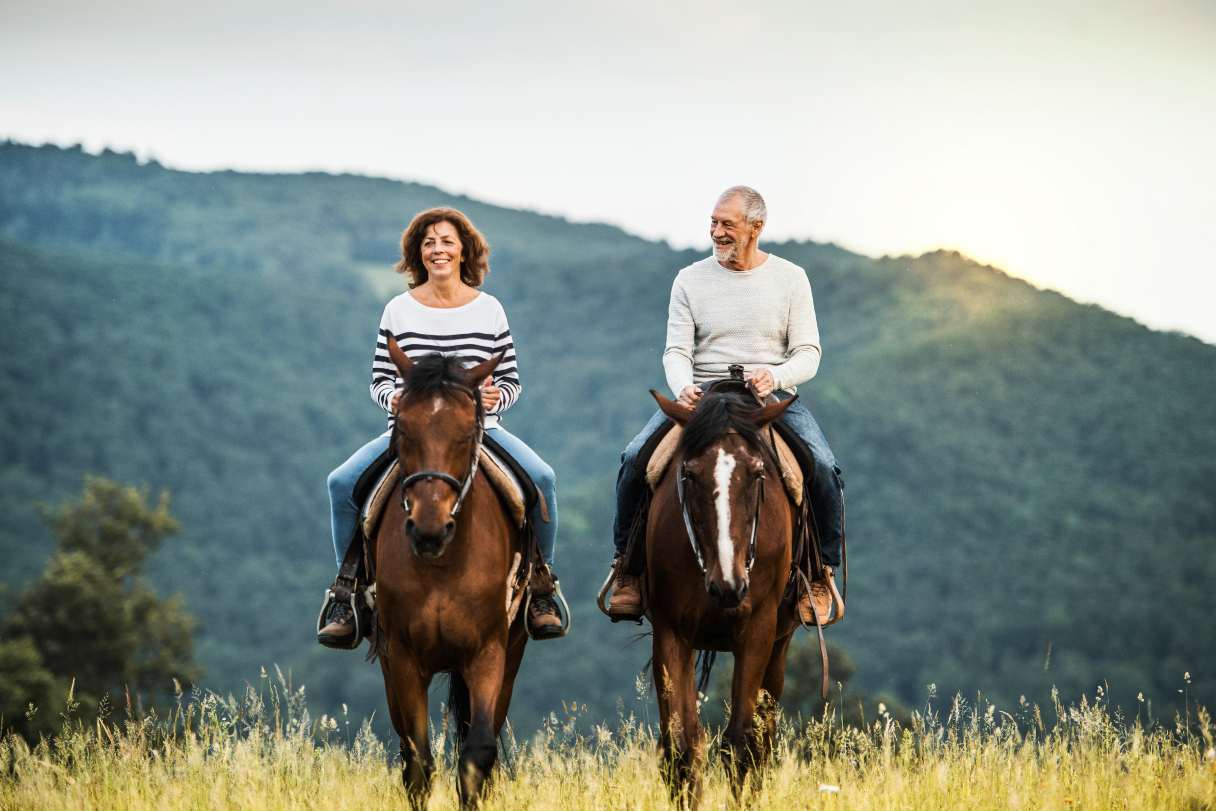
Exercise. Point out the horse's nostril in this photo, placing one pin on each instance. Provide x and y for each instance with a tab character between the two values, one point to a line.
409	525
742	591
714	591
449	526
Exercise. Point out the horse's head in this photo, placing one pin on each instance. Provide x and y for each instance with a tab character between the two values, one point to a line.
438	431
720	475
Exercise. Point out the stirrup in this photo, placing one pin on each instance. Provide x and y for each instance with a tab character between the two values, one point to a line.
330	599
563	612
602	599
837	607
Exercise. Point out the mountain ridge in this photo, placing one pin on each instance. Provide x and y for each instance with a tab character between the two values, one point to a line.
1004	447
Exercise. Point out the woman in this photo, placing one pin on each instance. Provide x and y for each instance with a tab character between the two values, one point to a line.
445	258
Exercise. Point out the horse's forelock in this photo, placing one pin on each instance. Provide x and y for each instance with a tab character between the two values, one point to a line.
718	413
435	373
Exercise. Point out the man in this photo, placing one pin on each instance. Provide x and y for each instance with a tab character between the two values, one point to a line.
740	306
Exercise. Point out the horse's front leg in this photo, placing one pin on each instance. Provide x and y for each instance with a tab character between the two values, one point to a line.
772	685
681	742
516	642
479	752
742	745
405	686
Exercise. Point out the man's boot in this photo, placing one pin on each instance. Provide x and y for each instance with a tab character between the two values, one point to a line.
544	617
828	606
626	600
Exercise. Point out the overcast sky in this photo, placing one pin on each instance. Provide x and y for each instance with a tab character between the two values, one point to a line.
1071	144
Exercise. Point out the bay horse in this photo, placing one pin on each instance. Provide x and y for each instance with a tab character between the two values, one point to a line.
718	556
443	554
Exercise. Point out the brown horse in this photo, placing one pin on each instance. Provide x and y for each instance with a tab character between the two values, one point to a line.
718	555
443	555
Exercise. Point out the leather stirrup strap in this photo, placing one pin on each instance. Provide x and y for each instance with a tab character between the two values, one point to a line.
826	678
348	570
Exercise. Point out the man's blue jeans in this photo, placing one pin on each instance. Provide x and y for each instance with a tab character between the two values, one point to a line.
344	512
827	487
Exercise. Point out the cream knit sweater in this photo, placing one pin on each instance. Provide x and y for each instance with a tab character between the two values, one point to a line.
760	318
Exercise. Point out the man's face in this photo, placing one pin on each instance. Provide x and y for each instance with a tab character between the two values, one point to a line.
729	229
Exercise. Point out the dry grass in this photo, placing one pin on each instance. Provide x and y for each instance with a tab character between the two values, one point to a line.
264	751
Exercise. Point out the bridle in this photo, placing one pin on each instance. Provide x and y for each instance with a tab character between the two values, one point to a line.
461	487
692	535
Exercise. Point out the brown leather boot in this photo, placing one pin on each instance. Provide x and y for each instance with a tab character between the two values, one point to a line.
626	601
339	630
544	618
828	604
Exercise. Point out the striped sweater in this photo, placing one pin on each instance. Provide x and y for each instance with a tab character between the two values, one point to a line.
475	331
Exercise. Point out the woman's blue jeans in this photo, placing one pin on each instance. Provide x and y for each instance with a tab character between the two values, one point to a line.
344	512
827	487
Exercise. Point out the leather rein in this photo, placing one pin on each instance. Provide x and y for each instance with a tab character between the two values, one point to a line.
461	487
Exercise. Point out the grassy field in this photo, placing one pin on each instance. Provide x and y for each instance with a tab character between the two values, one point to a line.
264	751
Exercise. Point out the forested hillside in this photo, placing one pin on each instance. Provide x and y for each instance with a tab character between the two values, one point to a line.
1029	479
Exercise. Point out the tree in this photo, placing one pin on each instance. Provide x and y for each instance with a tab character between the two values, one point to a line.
90	618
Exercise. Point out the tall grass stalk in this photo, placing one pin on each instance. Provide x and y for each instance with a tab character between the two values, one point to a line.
264	750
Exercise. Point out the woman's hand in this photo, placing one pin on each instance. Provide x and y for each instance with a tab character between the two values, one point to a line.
490	394
761	383
392	405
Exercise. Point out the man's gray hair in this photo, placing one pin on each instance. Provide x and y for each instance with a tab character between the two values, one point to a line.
753	204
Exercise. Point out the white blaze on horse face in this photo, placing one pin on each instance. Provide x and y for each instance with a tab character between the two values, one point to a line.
726	548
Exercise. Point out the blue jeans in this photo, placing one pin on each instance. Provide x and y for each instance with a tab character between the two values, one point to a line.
827	487
546	482
344	512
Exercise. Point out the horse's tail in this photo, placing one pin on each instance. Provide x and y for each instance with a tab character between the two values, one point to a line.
705	661
459	708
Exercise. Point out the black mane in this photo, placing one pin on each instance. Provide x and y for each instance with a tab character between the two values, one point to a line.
722	409
436	373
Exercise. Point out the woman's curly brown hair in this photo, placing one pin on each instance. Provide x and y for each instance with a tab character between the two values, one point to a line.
474	250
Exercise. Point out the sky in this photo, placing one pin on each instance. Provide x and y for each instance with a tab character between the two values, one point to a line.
1072	144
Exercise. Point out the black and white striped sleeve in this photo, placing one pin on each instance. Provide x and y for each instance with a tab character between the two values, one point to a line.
384	372
506	374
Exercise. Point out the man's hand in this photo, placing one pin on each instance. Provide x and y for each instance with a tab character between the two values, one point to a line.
490	394
762	383
689	396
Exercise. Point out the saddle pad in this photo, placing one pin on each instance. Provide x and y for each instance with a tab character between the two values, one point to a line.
498	474
791	473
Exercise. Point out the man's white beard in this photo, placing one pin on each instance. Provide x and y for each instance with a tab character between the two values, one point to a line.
726	254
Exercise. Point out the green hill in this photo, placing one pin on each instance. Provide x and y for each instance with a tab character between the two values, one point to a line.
1024	473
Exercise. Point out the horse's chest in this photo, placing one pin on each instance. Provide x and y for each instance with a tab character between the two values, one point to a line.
708	628
443	625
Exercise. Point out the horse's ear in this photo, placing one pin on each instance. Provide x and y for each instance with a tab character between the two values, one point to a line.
763	416
679	412
481	371
400	359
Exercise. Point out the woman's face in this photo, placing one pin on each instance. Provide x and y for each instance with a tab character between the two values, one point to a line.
441	250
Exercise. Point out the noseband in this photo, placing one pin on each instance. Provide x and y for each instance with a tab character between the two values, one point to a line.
692	534
461	487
